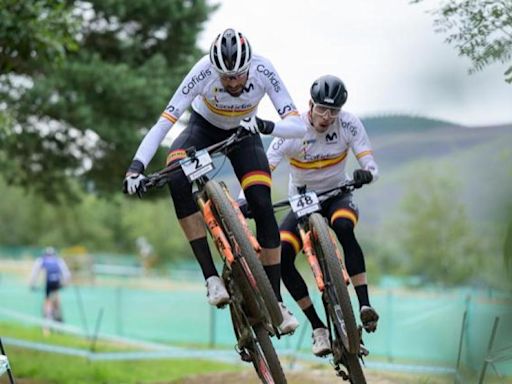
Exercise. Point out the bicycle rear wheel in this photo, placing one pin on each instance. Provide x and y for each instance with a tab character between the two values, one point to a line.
270	354
248	271
355	371
254	344
335	287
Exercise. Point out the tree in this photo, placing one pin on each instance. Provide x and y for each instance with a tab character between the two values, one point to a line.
83	117
479	29
32	32
436	234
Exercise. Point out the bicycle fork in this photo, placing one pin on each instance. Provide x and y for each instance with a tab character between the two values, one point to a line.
221	242
309	252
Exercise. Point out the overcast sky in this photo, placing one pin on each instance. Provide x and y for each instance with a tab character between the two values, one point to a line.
386	52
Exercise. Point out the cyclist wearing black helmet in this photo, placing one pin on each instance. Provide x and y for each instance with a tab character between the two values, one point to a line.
317	162
224	89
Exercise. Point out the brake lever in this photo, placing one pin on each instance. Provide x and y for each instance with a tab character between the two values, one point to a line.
144	185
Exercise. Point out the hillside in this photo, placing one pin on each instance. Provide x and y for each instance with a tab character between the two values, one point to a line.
479	158
385	124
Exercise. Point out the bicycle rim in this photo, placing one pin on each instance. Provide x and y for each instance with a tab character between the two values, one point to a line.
248	271
333	276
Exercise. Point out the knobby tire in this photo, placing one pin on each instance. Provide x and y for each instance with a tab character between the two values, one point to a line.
270	354
355	371
238	238
333	276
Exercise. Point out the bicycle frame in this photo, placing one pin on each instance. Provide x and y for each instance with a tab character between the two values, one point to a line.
308	242
252	320
346	349
221	242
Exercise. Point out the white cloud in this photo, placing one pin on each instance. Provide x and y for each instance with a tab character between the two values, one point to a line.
386	52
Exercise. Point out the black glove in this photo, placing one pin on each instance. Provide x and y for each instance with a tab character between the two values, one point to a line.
265	126
361	177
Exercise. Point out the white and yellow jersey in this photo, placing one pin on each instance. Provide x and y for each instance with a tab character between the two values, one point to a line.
203	90
318	160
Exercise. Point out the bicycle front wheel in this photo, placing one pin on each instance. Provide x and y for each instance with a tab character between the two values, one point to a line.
340	307
248	271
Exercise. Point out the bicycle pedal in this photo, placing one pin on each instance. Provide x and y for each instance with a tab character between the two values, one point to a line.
341	373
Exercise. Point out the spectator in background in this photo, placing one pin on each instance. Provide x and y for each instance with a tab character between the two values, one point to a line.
57	275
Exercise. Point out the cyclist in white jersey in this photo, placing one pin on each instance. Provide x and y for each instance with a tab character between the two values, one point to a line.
224	90
317	162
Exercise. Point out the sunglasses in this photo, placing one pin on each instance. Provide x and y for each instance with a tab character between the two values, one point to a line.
237	76
326	112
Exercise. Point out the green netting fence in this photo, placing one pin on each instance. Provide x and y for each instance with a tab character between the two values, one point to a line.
416	327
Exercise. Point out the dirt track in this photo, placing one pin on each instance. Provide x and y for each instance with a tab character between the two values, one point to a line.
322	376
314	376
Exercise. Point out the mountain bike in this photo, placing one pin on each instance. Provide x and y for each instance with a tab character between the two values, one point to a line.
255	313
326	262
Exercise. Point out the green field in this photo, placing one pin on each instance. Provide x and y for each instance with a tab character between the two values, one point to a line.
55	368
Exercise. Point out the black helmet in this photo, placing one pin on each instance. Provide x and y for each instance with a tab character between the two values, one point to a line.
230	53
330	91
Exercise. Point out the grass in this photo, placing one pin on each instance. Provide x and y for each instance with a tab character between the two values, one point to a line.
35	334
44	367
52	368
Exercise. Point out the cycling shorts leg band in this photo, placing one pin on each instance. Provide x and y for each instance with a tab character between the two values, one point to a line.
251	168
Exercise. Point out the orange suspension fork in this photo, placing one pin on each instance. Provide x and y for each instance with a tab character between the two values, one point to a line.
221	242
255	245
310	254
346	277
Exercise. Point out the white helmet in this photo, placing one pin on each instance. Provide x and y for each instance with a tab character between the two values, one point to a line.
230	53
49	251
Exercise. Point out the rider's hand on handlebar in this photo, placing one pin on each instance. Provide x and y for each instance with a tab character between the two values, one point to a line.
361	177
133	182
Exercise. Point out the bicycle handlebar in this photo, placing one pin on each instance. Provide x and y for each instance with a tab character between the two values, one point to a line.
161	178
348	187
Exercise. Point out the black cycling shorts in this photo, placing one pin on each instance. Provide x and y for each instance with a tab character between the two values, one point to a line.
52	286
334	208
249	163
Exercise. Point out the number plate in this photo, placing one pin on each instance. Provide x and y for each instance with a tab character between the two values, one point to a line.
304	204
195	167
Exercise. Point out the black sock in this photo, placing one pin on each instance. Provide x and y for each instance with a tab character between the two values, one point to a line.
362	295
274	275
313	318
204	257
